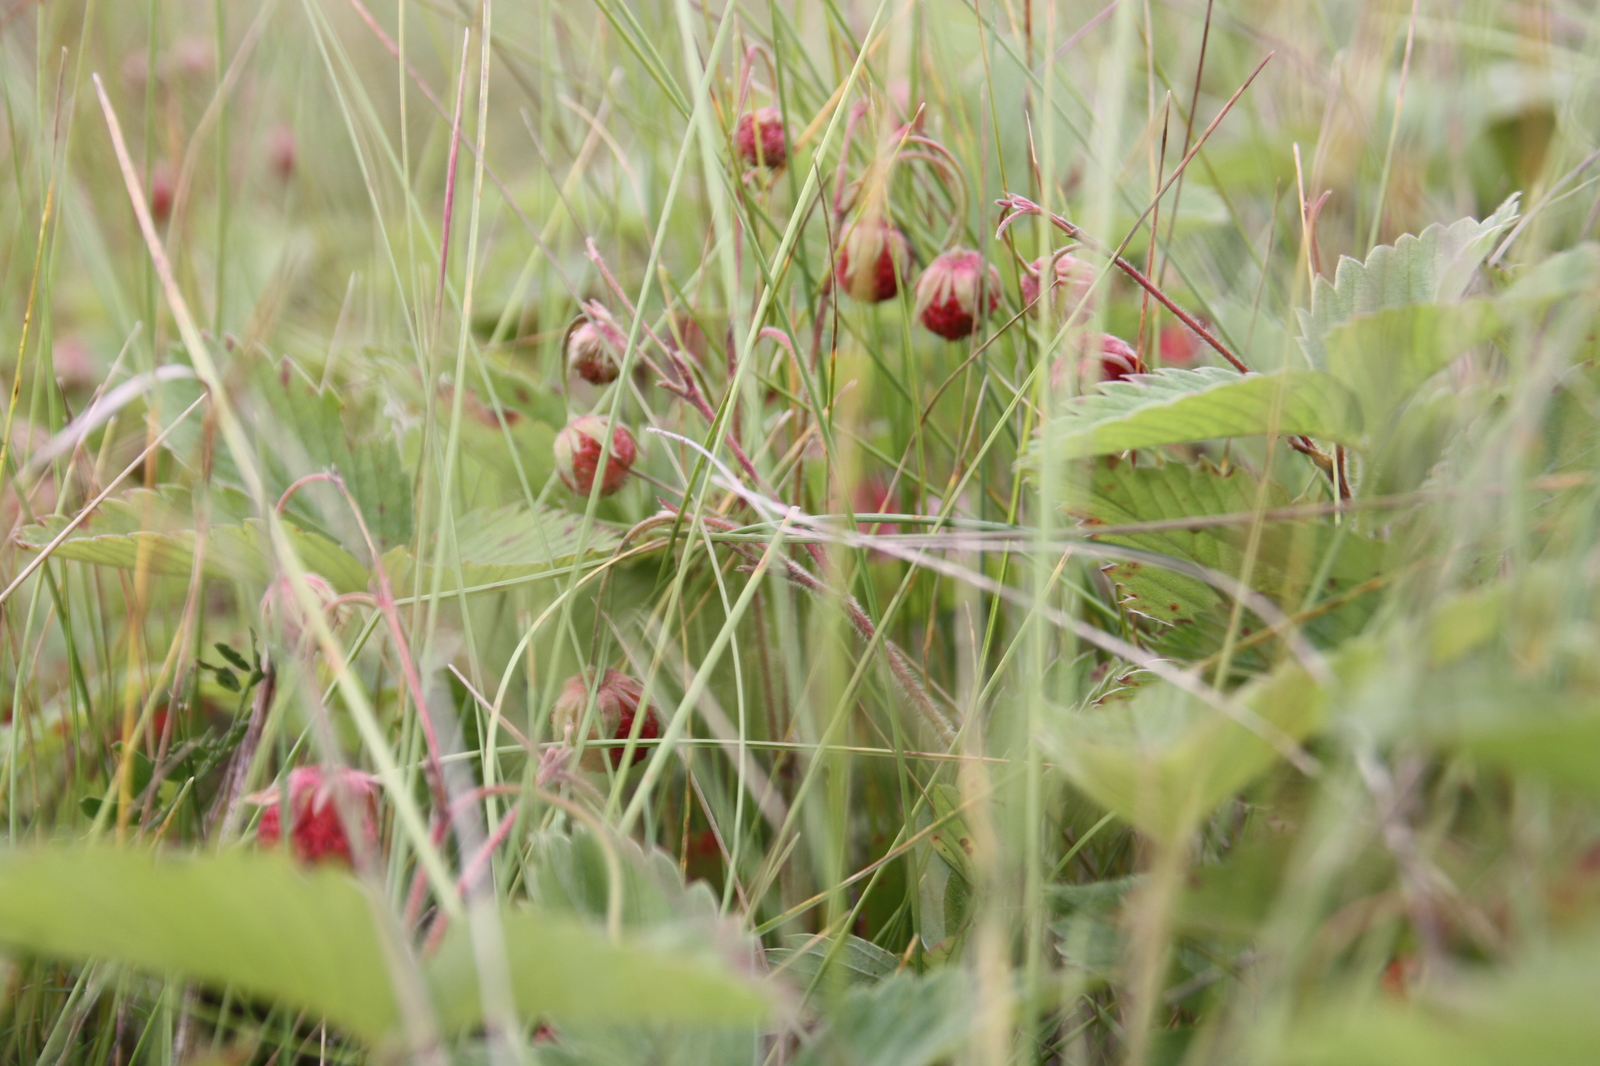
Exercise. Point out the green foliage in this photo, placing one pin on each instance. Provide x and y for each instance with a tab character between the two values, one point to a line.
315	939
1178	406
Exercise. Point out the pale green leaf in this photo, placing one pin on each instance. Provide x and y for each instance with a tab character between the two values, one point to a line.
1384	356
147	529
1177	406
571	973
1163	760
250	920
1435	266
507	544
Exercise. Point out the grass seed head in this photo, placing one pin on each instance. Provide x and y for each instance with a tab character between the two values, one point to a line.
577	454
956	292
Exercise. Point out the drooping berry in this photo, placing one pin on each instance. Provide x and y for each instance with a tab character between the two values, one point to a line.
281	150
874	257
1179	344
316	827
955	292
163	187
280	607
577	454
759	138
1106	357
591	355
616	707
1073	280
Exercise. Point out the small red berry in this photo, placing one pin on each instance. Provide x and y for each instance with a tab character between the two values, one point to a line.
281	150
1073	280
955	292
1116	361
163	187
760	139
1179	344
316	830
577	454
873	258
591	355
616	706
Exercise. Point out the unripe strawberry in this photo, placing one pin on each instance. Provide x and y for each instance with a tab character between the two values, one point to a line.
1073	279
591	355
316	830
577	454
759	138
873	258
1108	358
281	607
616	706
955	292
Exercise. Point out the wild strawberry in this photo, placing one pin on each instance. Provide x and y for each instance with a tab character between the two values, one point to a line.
1108	358
163	187
616	706
591	355
316	828
873	258
1073	279
281	607
281	150
955	292
760	139
577	454
1179	344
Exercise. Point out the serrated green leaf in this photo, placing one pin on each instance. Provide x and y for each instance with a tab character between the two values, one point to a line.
1178	406
1288	555
570	973
1435	266
146	529
907	1020
1384	356
861	960
250	920
1163	760
507	544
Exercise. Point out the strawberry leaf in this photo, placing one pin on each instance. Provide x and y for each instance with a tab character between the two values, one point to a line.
1178	406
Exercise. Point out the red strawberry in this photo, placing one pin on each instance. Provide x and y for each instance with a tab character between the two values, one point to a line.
281	150
955	292
873	258
616	706
760	139
1073	279
1179	344
316	831
1115	361
163	187
577	454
